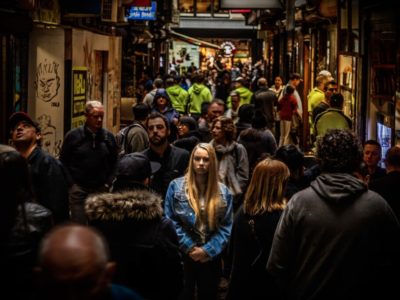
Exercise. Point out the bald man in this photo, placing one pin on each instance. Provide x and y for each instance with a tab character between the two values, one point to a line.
264	100
74	264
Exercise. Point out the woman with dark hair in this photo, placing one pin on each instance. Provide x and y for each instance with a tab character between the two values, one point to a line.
233	164
23	224
201	208
253	230
188	134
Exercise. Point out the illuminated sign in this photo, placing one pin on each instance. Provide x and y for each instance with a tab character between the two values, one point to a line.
228	49
143	13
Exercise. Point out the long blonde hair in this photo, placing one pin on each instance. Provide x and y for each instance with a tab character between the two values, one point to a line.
266	189
212	195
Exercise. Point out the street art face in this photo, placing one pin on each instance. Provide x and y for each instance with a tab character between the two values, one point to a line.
50	143
47	81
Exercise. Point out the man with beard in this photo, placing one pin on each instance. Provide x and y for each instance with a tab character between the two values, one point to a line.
173	160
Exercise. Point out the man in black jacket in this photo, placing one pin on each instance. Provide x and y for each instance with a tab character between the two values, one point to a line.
89	154
387	185
264	101
173	160
143	242
48	178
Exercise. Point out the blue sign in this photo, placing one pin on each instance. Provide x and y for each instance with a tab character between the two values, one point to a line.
143	13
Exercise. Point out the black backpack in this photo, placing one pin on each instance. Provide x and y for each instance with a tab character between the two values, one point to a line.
120	138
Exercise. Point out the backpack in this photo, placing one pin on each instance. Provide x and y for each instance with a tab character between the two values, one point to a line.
120	138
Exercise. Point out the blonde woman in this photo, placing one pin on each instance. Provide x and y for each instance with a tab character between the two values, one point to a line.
201	209
253	231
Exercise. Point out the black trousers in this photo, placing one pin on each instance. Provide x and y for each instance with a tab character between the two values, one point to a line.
201	279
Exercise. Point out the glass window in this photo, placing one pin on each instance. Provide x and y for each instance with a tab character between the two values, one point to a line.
186	6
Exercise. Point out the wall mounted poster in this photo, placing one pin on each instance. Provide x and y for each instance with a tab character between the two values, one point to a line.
79	79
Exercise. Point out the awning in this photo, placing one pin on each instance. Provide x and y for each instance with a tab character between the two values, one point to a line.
192	40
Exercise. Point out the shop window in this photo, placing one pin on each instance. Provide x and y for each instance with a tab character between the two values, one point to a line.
347	82
349	38
186	6
201	8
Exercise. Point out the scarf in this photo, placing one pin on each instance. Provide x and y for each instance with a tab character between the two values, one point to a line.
227	166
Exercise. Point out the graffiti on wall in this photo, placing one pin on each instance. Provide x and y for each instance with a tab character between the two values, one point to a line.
50	143
47	81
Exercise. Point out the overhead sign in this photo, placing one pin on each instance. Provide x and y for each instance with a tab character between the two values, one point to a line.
250	4
143	13
228	49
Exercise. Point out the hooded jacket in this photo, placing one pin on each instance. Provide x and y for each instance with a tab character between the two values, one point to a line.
179	97
198	93
245	96
336	240
143	243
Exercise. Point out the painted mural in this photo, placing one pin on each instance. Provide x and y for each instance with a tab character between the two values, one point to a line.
46	86
47	81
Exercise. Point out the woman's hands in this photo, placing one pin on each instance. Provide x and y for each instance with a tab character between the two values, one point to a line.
198	254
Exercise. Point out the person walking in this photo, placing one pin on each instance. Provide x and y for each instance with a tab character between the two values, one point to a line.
253	230
89	154
201	209
336	239
287	108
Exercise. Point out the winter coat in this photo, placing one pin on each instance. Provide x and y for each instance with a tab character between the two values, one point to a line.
142	241
189	141
336	240
249	253
264	100
257	142
49	183
89	158
177	208
17	259
198	94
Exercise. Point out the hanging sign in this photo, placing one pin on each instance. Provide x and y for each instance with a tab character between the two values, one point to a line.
228	49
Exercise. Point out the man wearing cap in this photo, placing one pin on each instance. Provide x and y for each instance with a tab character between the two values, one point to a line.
173	160
142	241
89	154
49	182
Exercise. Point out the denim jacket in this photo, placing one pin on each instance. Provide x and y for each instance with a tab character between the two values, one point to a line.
177	208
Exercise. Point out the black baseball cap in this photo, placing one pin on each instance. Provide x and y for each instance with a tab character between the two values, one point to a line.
136	167
22	117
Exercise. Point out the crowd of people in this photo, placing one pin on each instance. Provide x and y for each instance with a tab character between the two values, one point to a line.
198	193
